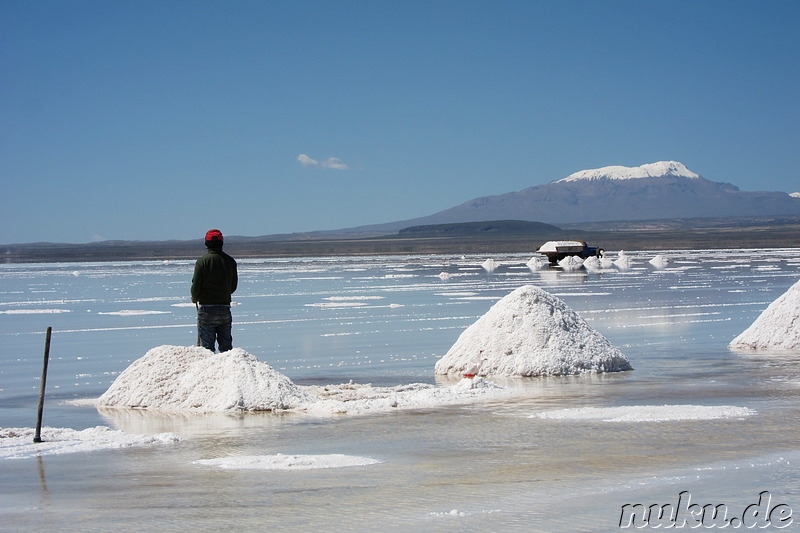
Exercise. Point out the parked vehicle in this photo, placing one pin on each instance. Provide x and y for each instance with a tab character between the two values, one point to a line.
558	250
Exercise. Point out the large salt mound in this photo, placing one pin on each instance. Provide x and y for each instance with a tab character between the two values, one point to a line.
531	333
777	328
193	378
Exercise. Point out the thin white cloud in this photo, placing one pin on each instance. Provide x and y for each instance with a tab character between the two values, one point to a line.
307	161
332	162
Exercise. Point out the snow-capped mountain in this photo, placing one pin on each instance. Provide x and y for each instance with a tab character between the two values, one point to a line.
661	190
652	170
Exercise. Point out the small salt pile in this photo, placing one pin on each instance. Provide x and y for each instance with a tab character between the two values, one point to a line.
536	263
571	262
592	263
490	265
606	262
623	262
531	333
777	328
193	378
659	261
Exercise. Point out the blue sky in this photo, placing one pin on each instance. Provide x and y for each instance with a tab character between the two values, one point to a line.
158	120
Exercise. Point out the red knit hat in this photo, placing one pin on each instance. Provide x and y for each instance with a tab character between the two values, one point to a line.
213	235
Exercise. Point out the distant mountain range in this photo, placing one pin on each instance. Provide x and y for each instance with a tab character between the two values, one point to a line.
653	206
662	190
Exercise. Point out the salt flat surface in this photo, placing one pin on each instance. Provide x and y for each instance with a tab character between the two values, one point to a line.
693	415
648	413
17	443
287	462
33	311
134	312
354	399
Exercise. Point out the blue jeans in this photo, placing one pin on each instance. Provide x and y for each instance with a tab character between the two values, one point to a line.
214	325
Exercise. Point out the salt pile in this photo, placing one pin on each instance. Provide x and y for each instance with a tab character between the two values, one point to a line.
592	263
531	333
571	262
659	261
536	263
777	328
606	262
623	262
193	378
490	265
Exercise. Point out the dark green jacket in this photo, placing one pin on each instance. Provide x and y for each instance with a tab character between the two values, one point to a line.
215	278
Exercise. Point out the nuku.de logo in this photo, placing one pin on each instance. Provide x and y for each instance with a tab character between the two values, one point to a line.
685	514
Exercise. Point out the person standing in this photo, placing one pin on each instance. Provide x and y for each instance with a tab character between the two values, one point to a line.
215	279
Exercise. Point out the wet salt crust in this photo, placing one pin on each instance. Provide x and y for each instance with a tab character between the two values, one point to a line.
777	328
530	332
287	462
17	443
648	413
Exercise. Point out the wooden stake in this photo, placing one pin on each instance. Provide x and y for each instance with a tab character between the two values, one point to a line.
38	436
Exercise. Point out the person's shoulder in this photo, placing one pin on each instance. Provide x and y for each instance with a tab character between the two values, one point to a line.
206	257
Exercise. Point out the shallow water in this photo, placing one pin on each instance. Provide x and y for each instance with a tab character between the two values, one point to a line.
486	466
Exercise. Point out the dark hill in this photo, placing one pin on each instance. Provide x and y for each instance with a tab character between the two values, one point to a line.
486	228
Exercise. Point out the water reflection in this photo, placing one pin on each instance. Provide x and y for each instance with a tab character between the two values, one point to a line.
187	424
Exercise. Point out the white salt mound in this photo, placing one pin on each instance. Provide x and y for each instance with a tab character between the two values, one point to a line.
531	333
490	265
571	262
193	378
659	261
777	328
536	263
592	263
624	262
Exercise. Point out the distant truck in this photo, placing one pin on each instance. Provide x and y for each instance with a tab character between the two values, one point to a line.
558	250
